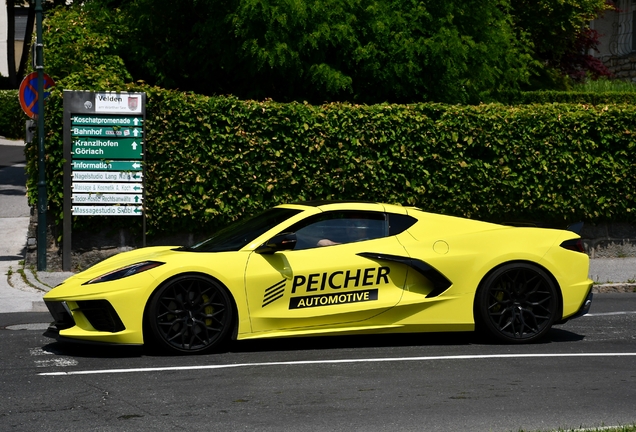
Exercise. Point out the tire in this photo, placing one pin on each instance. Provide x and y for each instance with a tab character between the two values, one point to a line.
190	314
517	303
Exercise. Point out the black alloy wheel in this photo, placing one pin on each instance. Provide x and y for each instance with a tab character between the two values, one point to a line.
517	303
190	314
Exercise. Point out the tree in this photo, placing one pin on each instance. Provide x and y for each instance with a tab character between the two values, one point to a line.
324	50
364	51
83	46
559	32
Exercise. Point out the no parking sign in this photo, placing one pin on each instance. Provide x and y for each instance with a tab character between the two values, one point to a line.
29	93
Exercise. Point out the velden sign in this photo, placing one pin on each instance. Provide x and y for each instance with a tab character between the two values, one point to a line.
104	149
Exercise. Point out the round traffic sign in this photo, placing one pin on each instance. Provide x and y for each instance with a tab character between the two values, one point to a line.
29	93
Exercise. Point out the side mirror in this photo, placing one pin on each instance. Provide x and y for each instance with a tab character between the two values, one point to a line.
280	242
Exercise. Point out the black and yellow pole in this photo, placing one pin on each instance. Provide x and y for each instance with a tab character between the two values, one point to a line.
42	195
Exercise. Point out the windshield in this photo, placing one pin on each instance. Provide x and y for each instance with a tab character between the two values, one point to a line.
241	233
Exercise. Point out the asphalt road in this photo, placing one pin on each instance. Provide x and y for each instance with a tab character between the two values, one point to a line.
583	375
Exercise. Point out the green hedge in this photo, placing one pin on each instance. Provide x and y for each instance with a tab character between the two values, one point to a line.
211	160
12	118
571	97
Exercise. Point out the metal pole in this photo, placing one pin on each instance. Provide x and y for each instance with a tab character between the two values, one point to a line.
42	196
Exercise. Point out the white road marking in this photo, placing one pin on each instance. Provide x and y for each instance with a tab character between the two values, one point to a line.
318	362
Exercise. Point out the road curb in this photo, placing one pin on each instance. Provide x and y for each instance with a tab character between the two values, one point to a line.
614	288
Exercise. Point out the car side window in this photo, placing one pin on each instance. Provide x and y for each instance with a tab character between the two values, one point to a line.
399	223
339	227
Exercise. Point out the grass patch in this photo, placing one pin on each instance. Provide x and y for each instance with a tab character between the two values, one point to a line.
606	86
631	428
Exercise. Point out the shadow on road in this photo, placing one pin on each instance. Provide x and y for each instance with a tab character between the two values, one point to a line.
83	350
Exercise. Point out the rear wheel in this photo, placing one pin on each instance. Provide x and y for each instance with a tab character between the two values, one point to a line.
517	303
190	314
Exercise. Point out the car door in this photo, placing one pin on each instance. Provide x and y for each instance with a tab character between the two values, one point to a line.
314	286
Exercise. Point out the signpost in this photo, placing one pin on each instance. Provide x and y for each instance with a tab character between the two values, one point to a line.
38	65
104	149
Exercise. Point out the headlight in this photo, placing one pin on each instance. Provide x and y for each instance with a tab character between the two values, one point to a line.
123	272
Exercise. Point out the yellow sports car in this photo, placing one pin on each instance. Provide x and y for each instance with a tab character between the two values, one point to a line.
325	268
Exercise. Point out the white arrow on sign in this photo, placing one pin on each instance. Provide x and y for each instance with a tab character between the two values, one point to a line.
134	145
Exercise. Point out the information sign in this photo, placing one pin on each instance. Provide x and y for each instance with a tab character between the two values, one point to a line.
105	152
110	165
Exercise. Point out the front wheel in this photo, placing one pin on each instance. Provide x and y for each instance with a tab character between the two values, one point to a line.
190	314
517	303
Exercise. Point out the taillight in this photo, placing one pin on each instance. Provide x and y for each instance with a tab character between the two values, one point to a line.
575	245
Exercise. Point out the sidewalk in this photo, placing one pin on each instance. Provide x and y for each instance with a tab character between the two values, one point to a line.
14	221
26	288
613	270
20	291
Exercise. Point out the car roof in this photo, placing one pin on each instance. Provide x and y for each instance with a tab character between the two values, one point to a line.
319	203
327	205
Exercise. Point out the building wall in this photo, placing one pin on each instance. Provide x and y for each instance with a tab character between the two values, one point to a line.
617	47
605	26
21	15
4	69
623	68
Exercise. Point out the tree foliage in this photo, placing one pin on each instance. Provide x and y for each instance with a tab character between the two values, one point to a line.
325	50
559	32
83	44
363	51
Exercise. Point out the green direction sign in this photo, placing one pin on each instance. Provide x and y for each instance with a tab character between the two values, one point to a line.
109	176
107	148
92	188
116	210
107	131
105	165
106	198
93	120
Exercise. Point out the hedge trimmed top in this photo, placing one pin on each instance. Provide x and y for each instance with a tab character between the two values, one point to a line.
211	160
